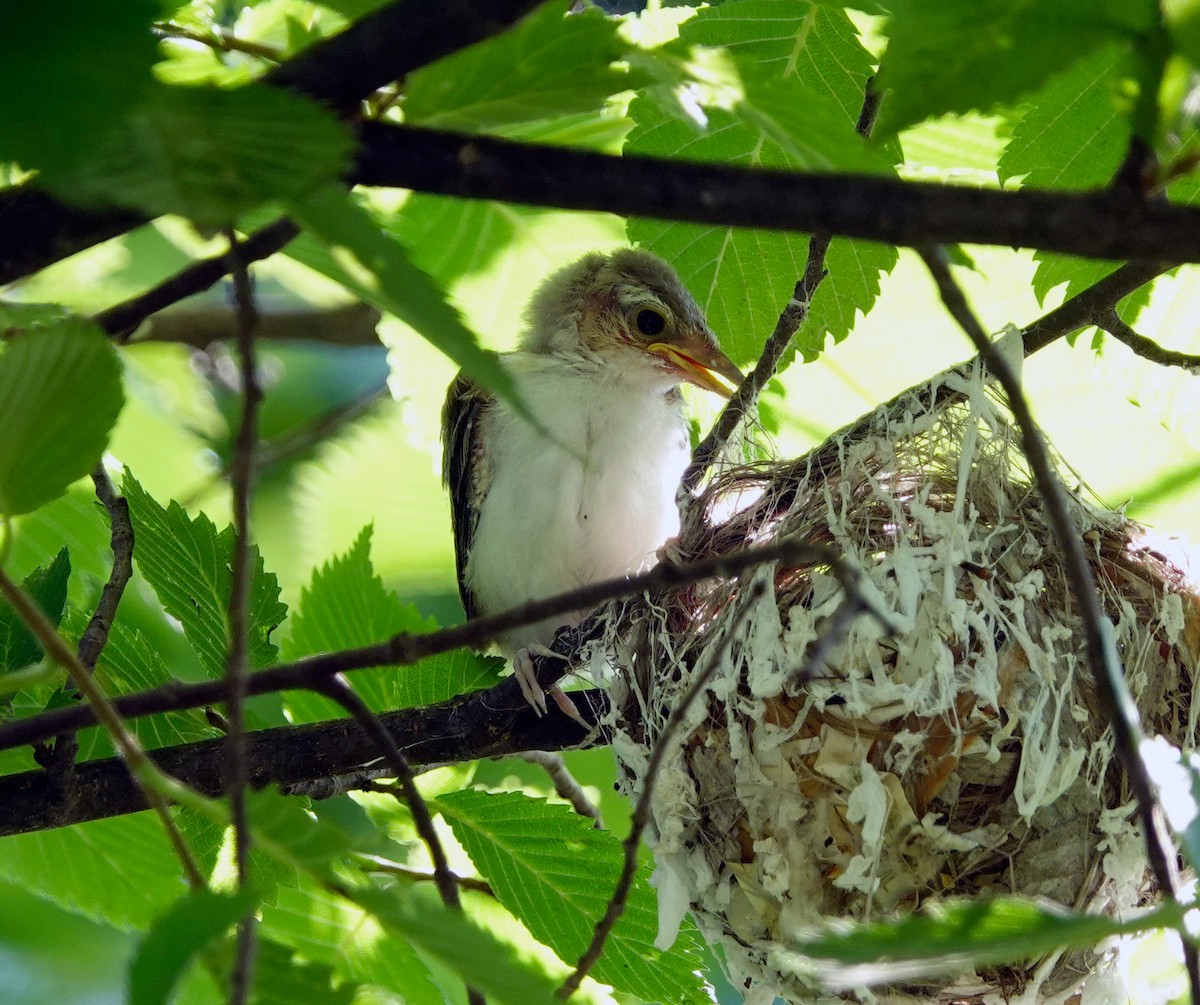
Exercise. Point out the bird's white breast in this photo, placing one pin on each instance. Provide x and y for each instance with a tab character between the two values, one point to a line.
593	503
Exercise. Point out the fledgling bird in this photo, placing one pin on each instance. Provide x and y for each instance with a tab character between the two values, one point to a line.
607	340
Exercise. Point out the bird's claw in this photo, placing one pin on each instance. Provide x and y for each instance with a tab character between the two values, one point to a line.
526	674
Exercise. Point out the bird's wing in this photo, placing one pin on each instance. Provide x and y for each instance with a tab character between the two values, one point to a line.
465	471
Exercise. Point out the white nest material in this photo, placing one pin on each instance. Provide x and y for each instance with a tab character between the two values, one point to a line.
964	754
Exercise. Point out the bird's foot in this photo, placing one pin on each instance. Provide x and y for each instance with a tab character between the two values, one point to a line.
526	674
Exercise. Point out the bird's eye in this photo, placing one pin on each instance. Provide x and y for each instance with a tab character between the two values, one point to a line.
650	321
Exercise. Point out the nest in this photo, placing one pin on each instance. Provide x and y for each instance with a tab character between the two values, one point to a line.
834	770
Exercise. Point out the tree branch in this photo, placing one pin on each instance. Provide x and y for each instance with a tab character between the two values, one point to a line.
1102	656
1148	349
405	649
237	661
493	723
792	317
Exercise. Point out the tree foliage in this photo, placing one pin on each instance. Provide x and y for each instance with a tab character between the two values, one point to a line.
135	136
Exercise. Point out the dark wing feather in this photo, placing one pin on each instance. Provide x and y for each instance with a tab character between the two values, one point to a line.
464	471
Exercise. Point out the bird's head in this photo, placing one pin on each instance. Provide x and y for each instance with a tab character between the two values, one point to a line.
628	308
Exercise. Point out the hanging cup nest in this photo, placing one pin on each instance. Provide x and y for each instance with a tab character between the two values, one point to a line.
834	770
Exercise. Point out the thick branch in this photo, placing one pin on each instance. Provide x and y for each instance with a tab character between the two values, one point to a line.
1098	225
406	649
492	723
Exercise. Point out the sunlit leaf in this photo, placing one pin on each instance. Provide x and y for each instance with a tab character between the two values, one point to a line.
346	606
552	869
186	560
945	56
60	394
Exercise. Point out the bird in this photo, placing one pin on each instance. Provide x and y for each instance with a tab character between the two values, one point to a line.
586	491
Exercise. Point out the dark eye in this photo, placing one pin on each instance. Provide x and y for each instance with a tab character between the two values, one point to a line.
651	322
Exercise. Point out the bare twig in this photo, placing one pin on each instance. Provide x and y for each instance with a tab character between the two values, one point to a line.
220	39
444	878
1102	655
1148	349
564	782
152	782
122	320
793	316
237	662
405	649
95	636
376	863
641	812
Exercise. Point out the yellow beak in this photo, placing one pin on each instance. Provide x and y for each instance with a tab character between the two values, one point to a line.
698	362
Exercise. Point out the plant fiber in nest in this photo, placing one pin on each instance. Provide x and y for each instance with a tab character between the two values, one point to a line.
831	770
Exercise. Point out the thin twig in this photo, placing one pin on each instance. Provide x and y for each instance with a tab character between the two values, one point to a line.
1101	652
444	878
95	636
237	663
220	39
376	863
641	813
565	785
405	649
122	320
1148	349
151	781
792	317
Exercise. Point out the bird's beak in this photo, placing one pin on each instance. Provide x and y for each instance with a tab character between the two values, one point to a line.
698	360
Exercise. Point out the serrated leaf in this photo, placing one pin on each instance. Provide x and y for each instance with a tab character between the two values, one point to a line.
549	64
130	664
946	56
966	932
71	69
292	835
186	561
331	930
552	869
476	955
345	606
47	586
60	394
190	925
807	58
210	153
354	251
121	871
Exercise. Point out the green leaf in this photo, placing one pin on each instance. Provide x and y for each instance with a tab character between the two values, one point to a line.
801	72
551	868
946	56
121	871
283	978
211	153
130	664
60	394
329	929
358	254
452	940
968	933
292	835
186	561
71	69
47	586
1183	22
347	606
548	65
191	924
1073	135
